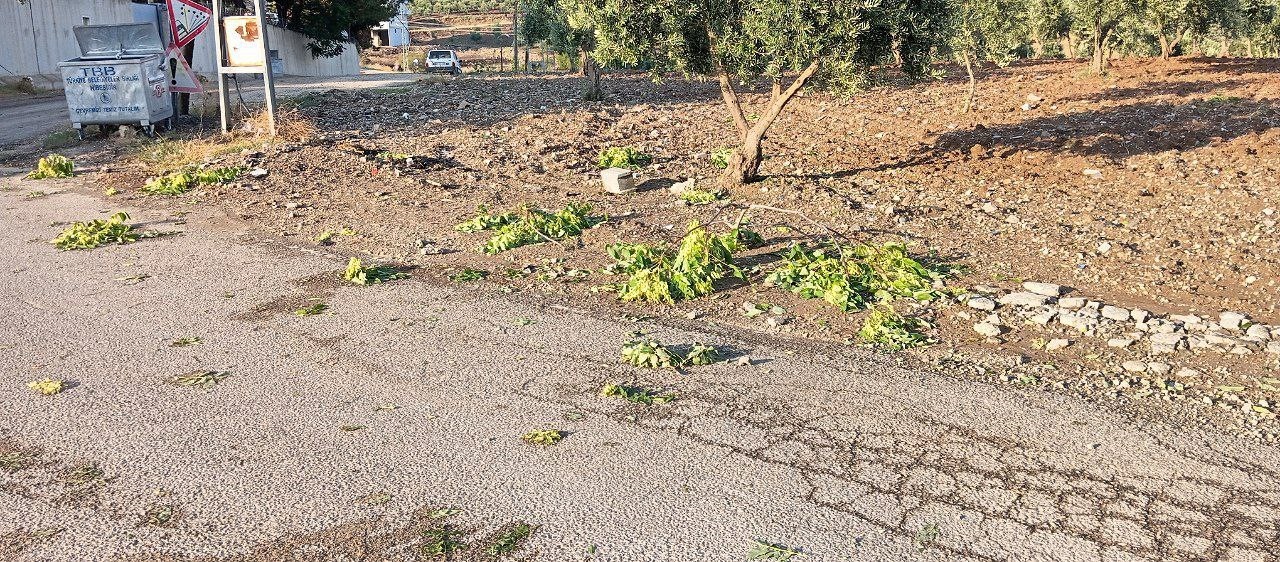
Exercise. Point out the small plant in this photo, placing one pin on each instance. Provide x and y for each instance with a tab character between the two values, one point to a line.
13	461
720	157
47	387
648	353
159	515
200	379
531	226
443	541
853	277
184	342
358	274
926	536
350	428
53	166
761	550
659	275
701	196
312	309
623	157
325	238
469	274
111	191
91	234
375	498
635	394
177	183
83	473
701	354
544	437
508	541
889	330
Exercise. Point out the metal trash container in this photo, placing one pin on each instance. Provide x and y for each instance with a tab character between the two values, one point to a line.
119	78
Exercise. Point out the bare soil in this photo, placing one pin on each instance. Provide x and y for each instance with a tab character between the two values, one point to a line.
1154	187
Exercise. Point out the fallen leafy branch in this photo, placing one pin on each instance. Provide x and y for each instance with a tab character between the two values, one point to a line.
98	232
53	166
357	273
531	226
659	275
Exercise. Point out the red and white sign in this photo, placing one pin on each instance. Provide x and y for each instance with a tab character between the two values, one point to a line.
187	18
181	77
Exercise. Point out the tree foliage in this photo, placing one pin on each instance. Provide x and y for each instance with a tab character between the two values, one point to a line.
330	23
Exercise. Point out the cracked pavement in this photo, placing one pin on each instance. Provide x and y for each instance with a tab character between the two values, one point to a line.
339	436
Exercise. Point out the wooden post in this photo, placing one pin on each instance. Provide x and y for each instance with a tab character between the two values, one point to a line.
268	76
224	96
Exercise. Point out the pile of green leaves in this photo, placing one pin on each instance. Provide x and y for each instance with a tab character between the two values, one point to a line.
646	352
544	437
886	329
623	157
531	226
701	196
53	166
91	234
854	277
659	275
181	182
720	157
635	394
357	273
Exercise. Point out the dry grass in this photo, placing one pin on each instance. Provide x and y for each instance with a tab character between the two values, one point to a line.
174	154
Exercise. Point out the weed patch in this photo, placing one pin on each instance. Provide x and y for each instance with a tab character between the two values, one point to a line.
443	541
181	182
53	166
312	309
886	329
469	274
659	275
359	274
854	277
720	157
702	196
530	226
646	352
184	342
160	515
623	157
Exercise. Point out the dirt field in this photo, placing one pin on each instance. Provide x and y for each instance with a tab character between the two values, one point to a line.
1153	189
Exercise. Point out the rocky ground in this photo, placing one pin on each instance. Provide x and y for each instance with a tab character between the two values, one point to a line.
1141	205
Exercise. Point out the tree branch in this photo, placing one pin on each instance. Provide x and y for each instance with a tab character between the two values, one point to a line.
731	99
783	97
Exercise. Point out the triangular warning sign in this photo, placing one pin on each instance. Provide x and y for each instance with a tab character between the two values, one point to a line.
187	18
181	77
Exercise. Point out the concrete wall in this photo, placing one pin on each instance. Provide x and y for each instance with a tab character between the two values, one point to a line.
36	35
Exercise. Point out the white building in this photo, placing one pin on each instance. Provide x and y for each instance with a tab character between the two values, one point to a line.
393	33
38	36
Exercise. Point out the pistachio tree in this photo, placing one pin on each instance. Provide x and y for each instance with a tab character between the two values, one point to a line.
790	44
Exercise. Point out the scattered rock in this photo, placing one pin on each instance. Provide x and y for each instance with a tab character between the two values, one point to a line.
1274	347
1046	289
1139	315
982	303
1119	342
1071	303
1258	331
1025	299
1093	173
258	173
1043	318
1134	366
1056	344
1186	372
1158	368
987	329
681	187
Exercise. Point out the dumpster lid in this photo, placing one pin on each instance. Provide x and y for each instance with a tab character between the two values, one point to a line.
118	40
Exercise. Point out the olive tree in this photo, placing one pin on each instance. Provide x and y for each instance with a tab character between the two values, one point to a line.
790	44
1100	18
990	30
568	27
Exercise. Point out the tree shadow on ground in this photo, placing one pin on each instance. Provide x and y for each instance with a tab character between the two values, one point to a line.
1123	131
1199	88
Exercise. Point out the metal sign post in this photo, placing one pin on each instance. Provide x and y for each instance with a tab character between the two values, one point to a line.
254	32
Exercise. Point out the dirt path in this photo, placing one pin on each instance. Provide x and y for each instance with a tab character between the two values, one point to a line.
341	436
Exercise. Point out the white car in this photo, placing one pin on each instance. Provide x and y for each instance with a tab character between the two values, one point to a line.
444	61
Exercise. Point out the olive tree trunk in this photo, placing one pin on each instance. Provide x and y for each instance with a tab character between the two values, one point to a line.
744	162
592	72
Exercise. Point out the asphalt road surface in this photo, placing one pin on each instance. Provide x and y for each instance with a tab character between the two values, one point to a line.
394	418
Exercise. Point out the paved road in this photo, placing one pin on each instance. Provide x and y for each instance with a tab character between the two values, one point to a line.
844	455
23	120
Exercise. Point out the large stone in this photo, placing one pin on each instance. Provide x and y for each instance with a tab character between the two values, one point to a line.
1025	299
1081	323
988	330
618	180
1056	344
1134	366
1232	320
1258	331
1071	303
982	303
1115	313
1046	289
